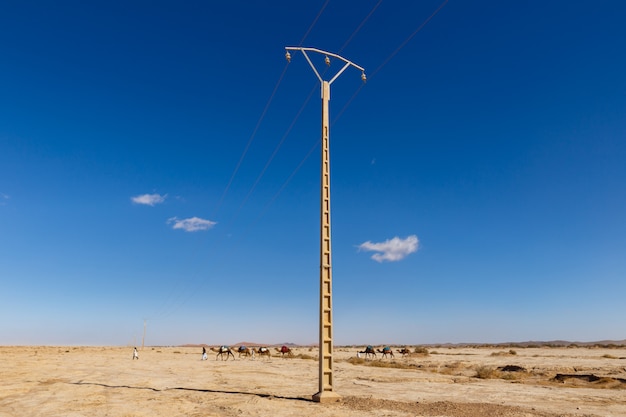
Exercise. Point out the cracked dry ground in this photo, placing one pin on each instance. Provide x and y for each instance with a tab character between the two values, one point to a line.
173	381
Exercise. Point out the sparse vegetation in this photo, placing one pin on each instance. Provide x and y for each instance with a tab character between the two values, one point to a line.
421	350
391	364
486	372
511	376
451	368
380	363
305	356
511	352
356	361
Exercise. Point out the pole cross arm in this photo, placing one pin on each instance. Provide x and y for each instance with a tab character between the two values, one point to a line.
304	51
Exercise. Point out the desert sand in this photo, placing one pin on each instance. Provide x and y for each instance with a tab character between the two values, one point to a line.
447	381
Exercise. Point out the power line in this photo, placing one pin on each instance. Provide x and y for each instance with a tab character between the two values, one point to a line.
419	28
394	53
269	161
302	107
293	173
181	298
360	26
256	128
174	301
166	311
314	22
267	105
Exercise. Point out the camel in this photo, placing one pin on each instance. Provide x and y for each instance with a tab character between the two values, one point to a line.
285	350
404	352
245	351
386	351
223	350
264	351
368	351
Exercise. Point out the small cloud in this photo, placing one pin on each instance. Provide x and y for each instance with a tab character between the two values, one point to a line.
149	199
373	161
192	224
391	250
3	199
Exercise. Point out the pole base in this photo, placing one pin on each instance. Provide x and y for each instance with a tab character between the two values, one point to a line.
326	397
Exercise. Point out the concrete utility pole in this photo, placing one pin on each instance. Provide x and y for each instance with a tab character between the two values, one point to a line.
325	393
143	338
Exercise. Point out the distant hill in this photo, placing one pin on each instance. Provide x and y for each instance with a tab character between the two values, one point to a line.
531	343
251	344
539	343
195	345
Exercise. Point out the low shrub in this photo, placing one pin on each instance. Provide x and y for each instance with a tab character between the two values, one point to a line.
305	356
356	361
421	350
486	372
380	363
511	352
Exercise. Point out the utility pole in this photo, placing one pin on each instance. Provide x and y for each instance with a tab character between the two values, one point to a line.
325	393
143	338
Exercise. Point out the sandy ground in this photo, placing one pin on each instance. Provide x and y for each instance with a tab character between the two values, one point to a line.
173	381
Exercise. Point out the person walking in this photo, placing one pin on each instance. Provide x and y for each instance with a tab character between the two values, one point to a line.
135	354
204	357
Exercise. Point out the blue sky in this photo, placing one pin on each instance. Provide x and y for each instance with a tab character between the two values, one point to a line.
159	164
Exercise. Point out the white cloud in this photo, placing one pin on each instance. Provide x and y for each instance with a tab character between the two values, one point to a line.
391	250
149	199
192	224
3	199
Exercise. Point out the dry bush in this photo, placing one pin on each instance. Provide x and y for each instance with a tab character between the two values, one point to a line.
384	364
502	353
380	363
356	361
515	376
305	356
590	381
511	376
611	383
486	372
452	368
607	356
421	350
454	365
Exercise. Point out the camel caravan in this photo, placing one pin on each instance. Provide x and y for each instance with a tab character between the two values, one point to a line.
225	352
370	353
